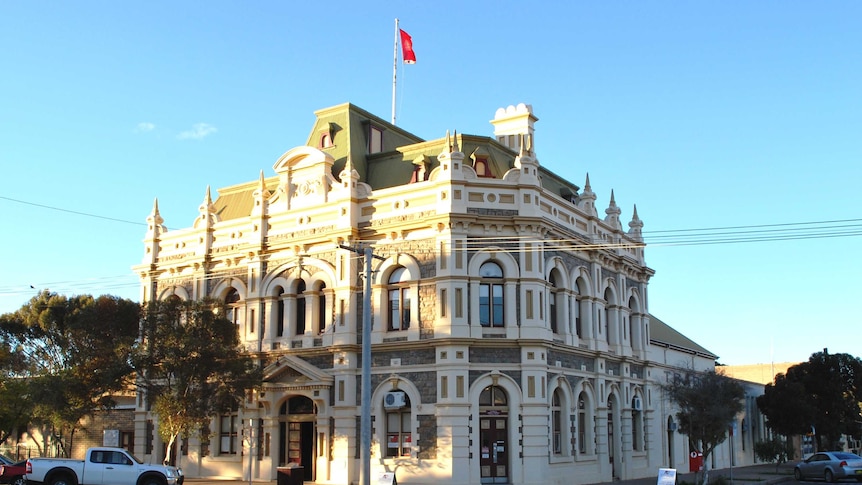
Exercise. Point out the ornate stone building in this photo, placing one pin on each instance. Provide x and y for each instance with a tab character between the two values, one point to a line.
511	338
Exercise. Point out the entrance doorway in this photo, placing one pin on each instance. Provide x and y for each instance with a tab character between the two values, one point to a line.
494	435
296	435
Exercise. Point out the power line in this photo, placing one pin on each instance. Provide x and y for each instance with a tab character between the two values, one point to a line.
755	233
86	214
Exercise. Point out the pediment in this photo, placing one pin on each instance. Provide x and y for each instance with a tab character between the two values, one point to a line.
289	370
304	157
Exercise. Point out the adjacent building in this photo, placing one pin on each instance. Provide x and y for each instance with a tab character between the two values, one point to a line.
511	337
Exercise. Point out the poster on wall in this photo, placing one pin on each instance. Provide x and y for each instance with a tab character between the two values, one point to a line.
111	437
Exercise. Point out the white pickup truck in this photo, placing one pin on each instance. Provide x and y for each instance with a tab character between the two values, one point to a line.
101	466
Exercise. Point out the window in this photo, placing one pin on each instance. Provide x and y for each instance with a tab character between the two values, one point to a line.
300	307
375	139
606	315
325	140
399	299
585	432
482	168
228	432
280	313
552	302
232	305
577	310
320	311
557	423
420	174
398	434
637	426
491	295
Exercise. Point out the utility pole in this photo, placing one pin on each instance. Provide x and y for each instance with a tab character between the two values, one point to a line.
365	411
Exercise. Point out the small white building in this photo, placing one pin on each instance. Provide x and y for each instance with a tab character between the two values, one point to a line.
511	338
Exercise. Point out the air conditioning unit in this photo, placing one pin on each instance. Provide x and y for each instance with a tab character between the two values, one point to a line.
394	400
637	404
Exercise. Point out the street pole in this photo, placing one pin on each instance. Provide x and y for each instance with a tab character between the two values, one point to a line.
365	382
250	445
365	424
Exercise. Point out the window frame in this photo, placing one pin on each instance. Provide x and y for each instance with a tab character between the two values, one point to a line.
402	431
492	300
231	434
398	291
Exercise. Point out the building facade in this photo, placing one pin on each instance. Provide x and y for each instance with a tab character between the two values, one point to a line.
510	333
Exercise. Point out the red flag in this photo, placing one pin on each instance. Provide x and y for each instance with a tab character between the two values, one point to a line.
407	48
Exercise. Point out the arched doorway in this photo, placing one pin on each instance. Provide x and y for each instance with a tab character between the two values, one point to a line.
296	419
494	435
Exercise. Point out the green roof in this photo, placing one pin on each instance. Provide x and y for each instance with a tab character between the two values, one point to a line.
663	334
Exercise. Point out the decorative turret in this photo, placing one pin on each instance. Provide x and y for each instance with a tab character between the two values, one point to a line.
613	213
527	164
154	222
154	231
208	216
349	176
587	200
451	159
261	198
636	225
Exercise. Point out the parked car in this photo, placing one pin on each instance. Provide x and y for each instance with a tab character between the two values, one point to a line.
101	466
830	466
12	472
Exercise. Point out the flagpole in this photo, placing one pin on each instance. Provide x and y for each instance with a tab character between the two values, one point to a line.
394	70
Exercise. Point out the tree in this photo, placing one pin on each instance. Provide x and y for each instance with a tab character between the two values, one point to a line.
15	404
707	404
73	353
191	365
785	405
822	394
774	450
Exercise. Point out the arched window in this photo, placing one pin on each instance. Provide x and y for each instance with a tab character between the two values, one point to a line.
606	314
300	307
557	423
399	299
320	313
398	426
577	310
491	295
279	315
232	306
482	168
555	303
585	429
325	140
637	424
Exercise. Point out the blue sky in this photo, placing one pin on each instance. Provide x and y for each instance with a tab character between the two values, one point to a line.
704	114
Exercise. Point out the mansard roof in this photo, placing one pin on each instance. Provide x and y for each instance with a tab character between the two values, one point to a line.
342	131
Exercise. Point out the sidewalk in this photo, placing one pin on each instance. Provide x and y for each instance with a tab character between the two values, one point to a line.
765	474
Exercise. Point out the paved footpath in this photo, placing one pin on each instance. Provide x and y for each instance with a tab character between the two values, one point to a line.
767	474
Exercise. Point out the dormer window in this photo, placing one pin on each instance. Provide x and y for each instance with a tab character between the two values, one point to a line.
482	168
325	140
375	139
